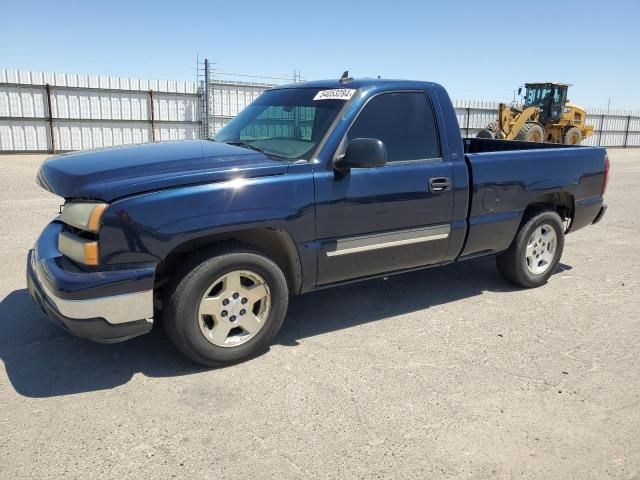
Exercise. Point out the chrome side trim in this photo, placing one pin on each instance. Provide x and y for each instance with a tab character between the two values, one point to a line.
364	243
114	309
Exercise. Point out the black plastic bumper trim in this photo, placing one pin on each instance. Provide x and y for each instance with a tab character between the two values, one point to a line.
601	213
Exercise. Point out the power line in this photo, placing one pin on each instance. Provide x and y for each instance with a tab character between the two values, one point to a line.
217	72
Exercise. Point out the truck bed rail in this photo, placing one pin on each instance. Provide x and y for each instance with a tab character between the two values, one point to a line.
482	145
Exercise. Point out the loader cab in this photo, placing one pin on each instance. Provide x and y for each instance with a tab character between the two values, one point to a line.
549	97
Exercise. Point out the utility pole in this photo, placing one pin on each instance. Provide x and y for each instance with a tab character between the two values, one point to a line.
206	97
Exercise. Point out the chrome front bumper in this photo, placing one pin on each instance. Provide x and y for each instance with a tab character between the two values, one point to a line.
113	309
106	306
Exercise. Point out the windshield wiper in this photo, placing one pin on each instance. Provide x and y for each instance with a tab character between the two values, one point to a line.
246	145
271	155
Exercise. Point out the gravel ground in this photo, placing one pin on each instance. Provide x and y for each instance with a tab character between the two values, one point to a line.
444	373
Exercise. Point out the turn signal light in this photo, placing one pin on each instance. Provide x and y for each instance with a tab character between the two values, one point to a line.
78	249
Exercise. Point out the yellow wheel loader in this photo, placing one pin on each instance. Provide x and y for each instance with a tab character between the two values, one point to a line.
545	116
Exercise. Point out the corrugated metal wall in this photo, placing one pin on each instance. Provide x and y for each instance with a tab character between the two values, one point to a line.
614	128
473	116
229	98
90	111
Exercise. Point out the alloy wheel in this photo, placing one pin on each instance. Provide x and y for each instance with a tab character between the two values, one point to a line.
541	249
234	308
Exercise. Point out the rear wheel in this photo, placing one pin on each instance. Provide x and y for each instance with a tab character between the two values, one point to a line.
534	252
226	306
573	136
531	132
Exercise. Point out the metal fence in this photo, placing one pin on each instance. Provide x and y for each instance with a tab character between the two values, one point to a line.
46	112
223	99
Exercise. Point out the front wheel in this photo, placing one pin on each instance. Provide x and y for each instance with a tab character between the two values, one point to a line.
490	131
531	132
534	252
485	133
225	306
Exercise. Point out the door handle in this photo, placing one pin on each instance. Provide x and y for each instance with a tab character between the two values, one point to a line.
439	184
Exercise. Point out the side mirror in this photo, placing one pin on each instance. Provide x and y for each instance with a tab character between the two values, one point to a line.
363	153
519	91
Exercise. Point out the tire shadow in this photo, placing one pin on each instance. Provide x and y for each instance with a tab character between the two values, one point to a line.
354	304
42	360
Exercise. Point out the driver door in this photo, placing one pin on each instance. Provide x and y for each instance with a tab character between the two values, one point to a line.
389	218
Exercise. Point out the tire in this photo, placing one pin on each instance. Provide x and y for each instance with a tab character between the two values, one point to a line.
531	132
484	133
488	131
573	136
515	264
195	305
492	126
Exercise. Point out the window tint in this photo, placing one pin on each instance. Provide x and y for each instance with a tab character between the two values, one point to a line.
403	121
537	95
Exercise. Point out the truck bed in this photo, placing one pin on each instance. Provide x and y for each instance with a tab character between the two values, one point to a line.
509	176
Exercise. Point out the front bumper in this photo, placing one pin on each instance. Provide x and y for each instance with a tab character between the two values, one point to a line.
104	306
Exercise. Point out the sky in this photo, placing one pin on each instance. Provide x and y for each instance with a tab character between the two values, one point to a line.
477	49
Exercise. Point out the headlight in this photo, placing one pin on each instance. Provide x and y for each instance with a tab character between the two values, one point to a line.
84	215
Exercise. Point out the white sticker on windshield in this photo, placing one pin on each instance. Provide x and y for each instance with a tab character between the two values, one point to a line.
335	94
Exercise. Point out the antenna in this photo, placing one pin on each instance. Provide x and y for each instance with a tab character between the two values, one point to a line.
345	77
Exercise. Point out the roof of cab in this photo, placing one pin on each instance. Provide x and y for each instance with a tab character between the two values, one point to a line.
356	83
559	84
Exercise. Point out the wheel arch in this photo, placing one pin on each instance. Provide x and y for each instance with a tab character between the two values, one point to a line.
276	244
563	203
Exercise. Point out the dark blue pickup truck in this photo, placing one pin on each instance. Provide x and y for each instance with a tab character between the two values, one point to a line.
312	185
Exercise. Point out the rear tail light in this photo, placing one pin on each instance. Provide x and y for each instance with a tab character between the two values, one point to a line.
606	174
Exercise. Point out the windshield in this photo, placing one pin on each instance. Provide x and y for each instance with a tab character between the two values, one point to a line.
285	123
537	96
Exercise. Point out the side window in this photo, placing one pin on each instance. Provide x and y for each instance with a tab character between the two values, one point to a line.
404	121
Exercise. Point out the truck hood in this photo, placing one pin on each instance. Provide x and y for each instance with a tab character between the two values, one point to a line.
112	173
